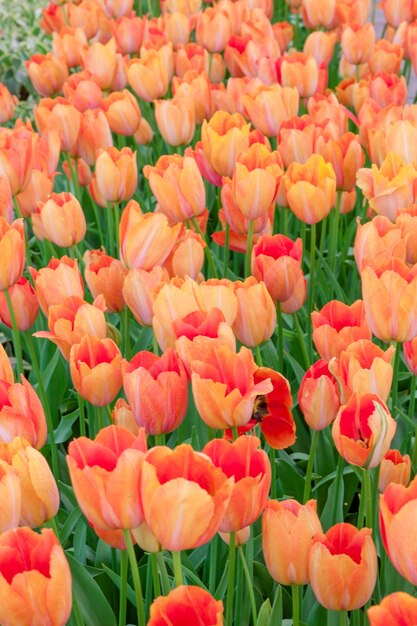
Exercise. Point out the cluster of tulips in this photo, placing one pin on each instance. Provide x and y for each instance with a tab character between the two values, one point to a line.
211	418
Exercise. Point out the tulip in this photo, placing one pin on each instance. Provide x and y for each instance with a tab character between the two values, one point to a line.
36	484
140	289
100	60
11	495
385	57
47	73
320	45
60	279
363	430
21	413
24	305
348	557
38	587
128	33
410	355
147	239
144	133
357	42
95	134
268	106
395	468
300	71
16	158
176	120
106	477
83	91
256	314
6	200
388	89
311	189
6	370
116	174
377	242
12	252
337	325
390	298
223	138
318	396
60	219
187	256
346	156
318	13
122	112
397	608
7	104
67	45
198	88
177	185
122	416
407	222
60	115
196	603
296	525
213	30
148	76
184	496
117	8
105	276
156	389
397	506
87	16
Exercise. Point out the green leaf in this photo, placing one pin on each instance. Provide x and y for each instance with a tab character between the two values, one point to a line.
64	430
291	481
276	613
264	614
94	608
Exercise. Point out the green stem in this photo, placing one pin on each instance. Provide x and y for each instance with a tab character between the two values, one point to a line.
311	289
82	416
45	404
160	440
116	227
334	231
412	402
136	578
178	577
164	574
301	340
280	324
272	457
412	396
207	250
235	433
226	247
295	592
249	584
98	222
213	564
123	587
100	417
155	575
231	580
310	465
343	618
125	323
110	229
357	73
248	255
258	356
77	613
396	368
367	490
155	347
339	480
16	337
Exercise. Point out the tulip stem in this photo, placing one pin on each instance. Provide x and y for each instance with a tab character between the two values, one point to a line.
231	579
164	574
45	404
207	250
155	576
110	229
258	356
160	439
272	460
310	465
367	496
226	248
339	482
125	324
82	416
249	583
343	618
123	587
116	225
334	231
280	323
301	340
136	577
412	396
295	592
395	377
311	289
16	337
178	577
412	402
213	564
249	243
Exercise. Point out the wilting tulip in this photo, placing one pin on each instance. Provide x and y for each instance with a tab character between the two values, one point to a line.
223	138
363	430
348	557
184	496
337	325
296	525
196	603
60	219
106	476
105	276
300	71
122	112
116	174
60	279
145	239
148	76
395	468
397	608
318	396
72	320
12	252
36	484
377	241
268	106
357	42
311	189
398	505
95	135
156	389
251	470
176	120
95	366
100	60
38	587
256	314
177	185
21	413
47	73
390	298
24	305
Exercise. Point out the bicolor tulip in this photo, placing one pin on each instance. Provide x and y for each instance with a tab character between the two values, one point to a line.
256	313
223	139
337	325
148	76
105	276
60	279
357	42
395	468
140	289
186	600
377	241
47	73
24	305
267	106
21	413
100	59
318	396
60	219
397	608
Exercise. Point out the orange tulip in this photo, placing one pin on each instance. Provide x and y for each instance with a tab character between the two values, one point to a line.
395	468
122	416
24	304
176	120
195	57
401	137
407	221
296	525
251	470
337	325
397	608
116	174
38	586
140	289
177	185
377	241
7	104
385	57
100	60
320	45
95	134
60	279
148	76
47	73
187	256
198	88
256	314
156	389
72	320
196	603
16	157
95	367
12	252
318	396
144	133
397	11
213	29
60	219
387	89
83	91
268	106
145	239
390	297
357	42
85	15
59	115
223	139
67	45
11	495
122	112
105	276
6	370
21	413
36	484
300	71
348	557
184	496
346	156
410	355
318	13
6	200
397	509
363	430
311	189
128	33
118	8
106	477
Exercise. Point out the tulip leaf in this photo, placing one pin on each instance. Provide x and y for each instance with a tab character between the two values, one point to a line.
92	603
115	578
276	612
264	614
64	430
291	481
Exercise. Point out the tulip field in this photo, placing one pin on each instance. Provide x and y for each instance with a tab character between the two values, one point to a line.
208	313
